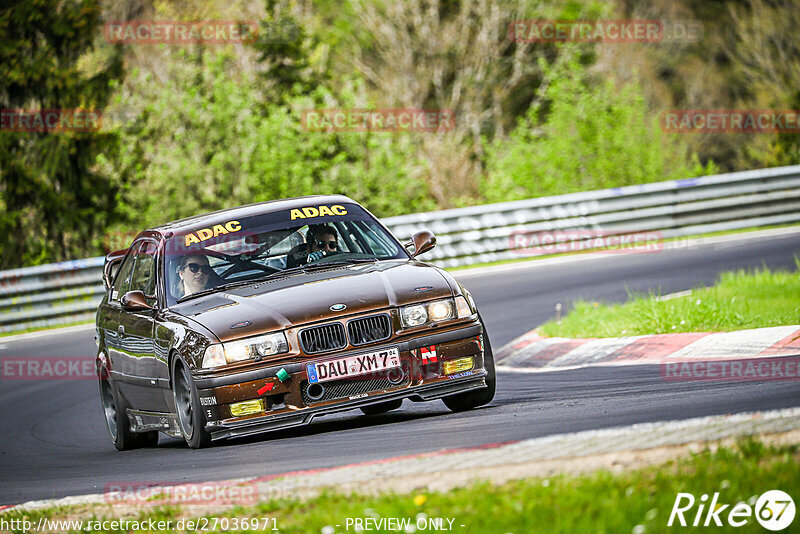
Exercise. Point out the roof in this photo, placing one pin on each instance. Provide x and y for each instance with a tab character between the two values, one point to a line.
217	217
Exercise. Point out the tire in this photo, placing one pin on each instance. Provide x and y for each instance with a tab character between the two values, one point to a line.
117	422
472	399
187	401
382	407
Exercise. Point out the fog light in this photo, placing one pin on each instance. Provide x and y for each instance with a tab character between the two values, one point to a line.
247	407
456	366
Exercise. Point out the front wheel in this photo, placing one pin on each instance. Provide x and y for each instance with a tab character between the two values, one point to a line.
472	399
187	403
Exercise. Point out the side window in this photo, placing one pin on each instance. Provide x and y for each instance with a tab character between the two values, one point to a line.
144	271
122	280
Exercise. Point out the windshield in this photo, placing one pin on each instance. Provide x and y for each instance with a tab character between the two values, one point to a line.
203	260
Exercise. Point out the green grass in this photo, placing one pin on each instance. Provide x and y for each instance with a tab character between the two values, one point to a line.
740	300
634	501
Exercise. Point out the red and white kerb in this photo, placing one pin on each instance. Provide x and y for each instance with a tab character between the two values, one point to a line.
428	354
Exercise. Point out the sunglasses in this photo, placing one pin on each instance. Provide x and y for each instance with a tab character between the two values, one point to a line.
196	267
330	244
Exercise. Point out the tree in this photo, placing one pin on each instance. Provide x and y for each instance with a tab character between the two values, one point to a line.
54	200
596	134
766	55
458	55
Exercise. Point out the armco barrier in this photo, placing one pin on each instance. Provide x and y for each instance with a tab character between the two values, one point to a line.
69	292
46	295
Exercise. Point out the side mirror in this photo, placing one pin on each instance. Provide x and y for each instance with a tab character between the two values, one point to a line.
422	241
135	301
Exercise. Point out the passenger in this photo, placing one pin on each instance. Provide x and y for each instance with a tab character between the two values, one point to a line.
194	274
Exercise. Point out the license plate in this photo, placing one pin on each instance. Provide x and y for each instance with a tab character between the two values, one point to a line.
358	365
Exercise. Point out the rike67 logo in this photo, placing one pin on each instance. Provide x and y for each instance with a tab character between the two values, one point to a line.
774	510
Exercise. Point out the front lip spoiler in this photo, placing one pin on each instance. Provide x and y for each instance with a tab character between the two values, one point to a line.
306	415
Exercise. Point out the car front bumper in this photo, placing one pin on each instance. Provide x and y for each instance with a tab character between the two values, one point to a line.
285	403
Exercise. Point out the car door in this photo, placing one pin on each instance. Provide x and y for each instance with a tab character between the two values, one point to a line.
112	312
135	334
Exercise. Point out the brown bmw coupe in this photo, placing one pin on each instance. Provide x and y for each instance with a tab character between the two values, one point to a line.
265	316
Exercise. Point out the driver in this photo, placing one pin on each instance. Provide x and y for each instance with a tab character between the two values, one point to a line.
321	241
194	272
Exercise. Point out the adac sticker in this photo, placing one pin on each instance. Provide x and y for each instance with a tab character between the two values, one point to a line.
215	231
318	211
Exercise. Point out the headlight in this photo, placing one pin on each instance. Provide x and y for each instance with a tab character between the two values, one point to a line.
419	314
244	349
255	347
441	310
214	356
414	315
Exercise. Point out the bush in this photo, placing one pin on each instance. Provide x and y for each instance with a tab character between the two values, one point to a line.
580	135
207	141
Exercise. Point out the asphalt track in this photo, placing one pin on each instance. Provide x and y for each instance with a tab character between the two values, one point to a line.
53	441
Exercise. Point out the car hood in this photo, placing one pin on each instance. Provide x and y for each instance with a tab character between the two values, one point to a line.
303	298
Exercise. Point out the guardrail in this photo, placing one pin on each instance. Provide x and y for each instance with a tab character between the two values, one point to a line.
69	292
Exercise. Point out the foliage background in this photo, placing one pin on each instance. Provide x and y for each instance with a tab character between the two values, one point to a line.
195	128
